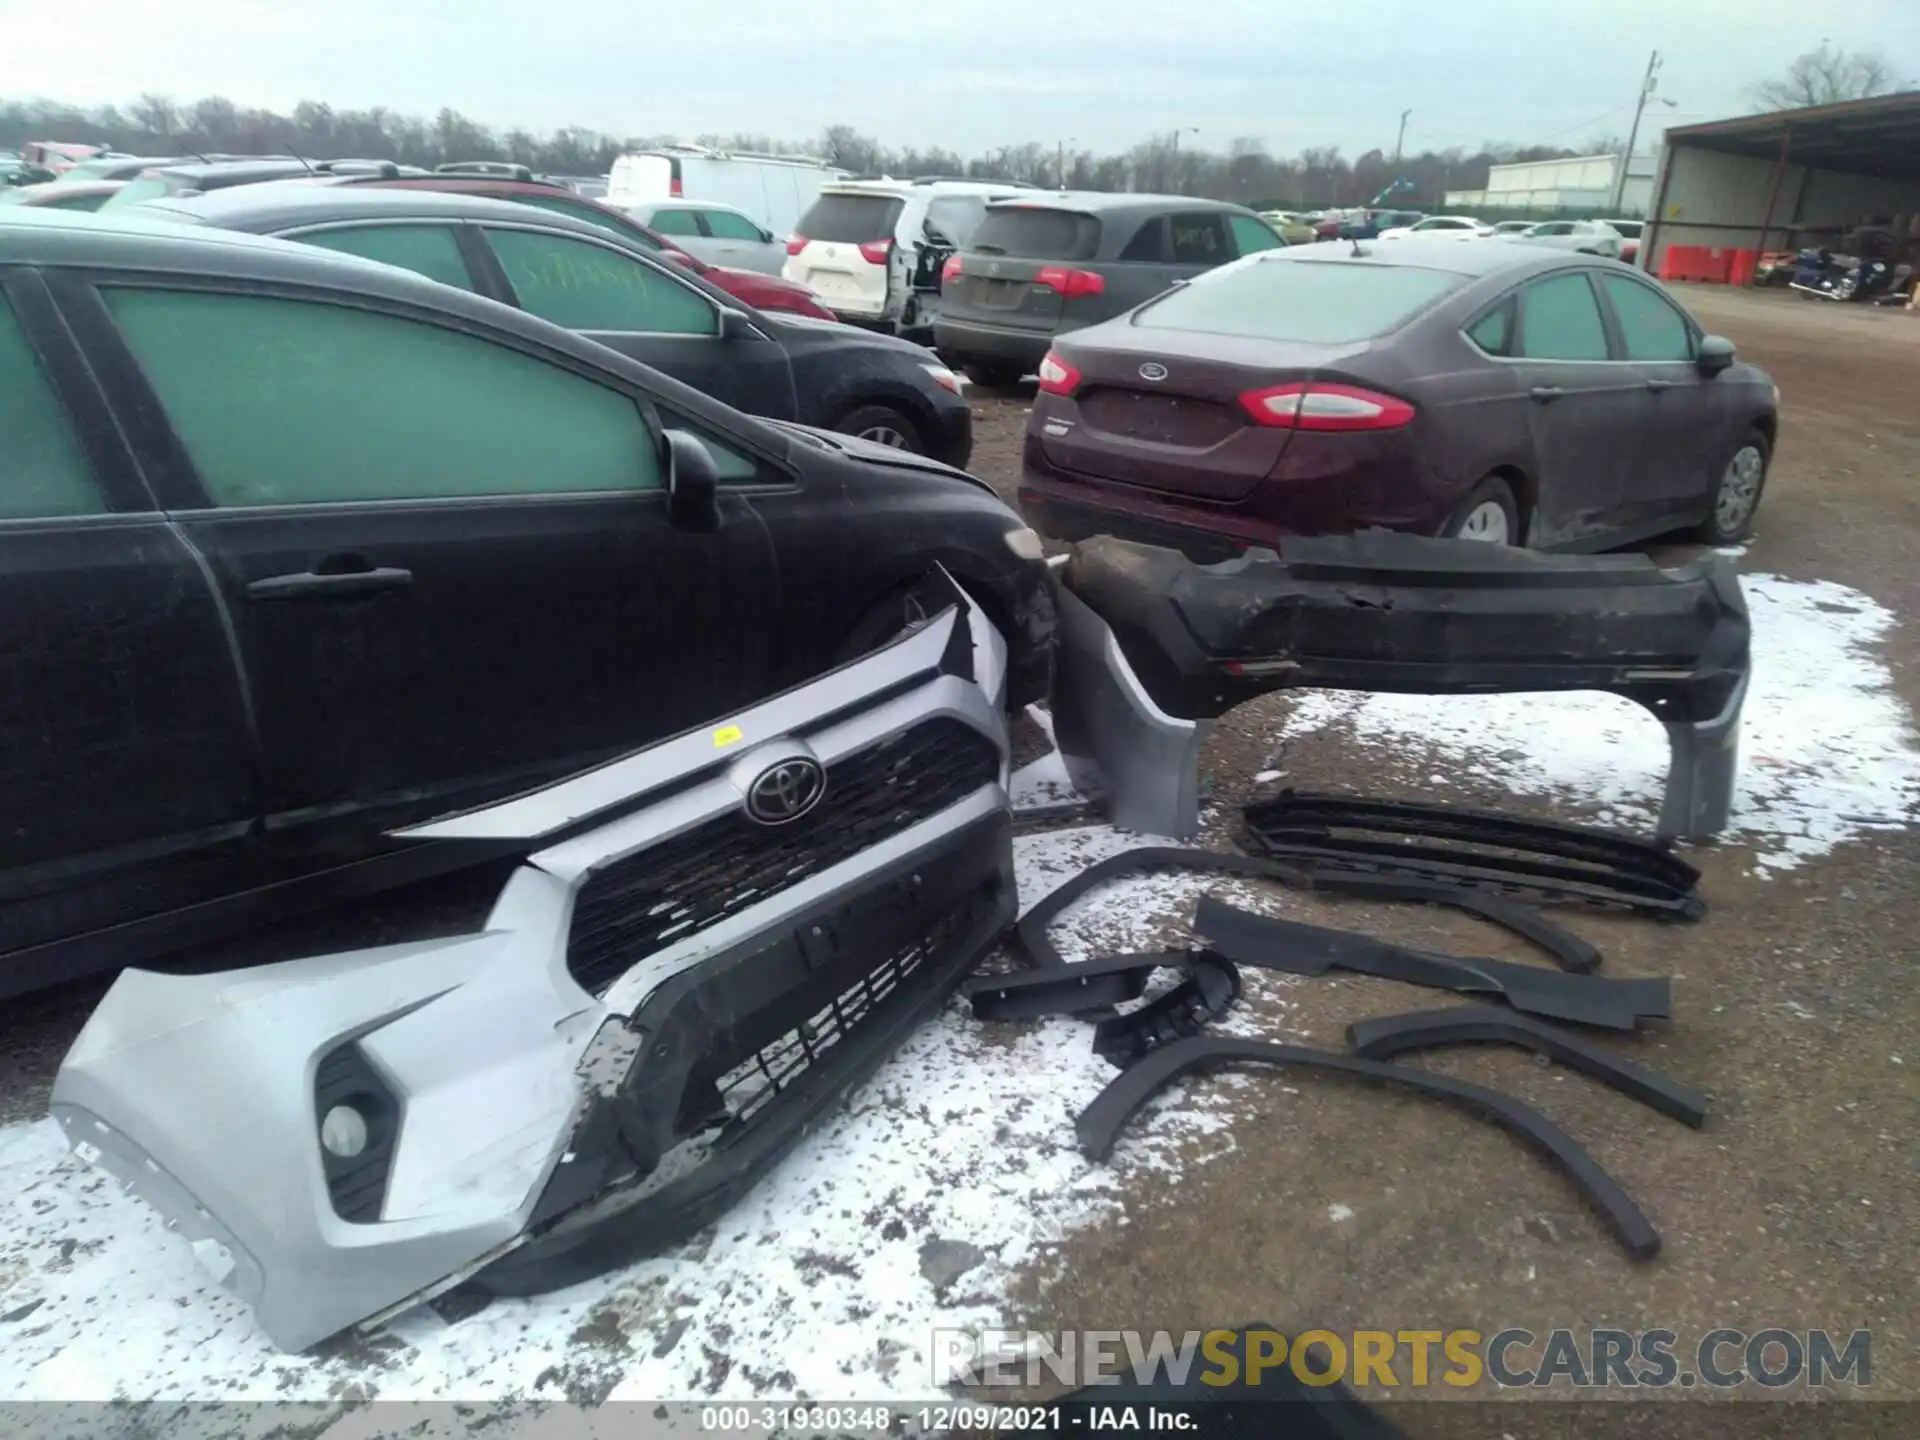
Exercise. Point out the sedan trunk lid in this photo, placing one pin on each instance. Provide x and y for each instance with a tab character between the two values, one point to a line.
1161	409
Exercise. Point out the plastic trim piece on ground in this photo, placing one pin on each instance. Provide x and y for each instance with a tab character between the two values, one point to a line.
1100	1124
1386	1036
1537	859
1404	614
1265	940
1030	934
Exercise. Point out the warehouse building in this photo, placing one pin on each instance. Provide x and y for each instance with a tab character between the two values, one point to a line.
1787	181
1584	184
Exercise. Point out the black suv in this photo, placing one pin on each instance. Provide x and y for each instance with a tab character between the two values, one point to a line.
297	548
588	278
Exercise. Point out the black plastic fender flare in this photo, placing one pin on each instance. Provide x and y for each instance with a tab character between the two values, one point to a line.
1386	1036
1300	949
1569	950
1100	1124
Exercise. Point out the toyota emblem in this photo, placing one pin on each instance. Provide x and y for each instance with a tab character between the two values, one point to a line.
786	791
1153	370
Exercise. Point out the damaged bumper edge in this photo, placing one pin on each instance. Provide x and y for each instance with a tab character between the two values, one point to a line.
666	992
1401	614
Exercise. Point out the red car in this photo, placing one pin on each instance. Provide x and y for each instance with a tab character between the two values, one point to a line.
763	292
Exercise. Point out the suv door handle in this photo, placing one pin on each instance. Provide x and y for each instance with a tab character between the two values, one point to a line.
1546	394
338	577
1658	385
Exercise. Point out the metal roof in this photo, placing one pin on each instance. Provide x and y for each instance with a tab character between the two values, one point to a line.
1111	202
275	205
1879	137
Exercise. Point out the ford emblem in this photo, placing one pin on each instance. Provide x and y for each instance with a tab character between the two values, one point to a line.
786	791
1153	370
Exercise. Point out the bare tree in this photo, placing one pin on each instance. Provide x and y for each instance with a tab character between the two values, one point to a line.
1826	76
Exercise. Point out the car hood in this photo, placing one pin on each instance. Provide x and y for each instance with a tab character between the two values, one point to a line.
874	453
809	332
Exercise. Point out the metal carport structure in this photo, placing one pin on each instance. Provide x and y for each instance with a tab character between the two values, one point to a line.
1750	183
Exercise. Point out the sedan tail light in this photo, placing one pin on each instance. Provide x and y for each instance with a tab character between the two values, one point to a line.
1072	284
950	269
875	252
795	244
1317	406
1057	377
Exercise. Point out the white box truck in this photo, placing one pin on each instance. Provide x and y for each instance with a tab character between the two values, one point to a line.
774	189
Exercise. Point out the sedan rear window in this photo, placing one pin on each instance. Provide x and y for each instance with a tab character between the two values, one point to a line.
1315	301
1030	232
851	219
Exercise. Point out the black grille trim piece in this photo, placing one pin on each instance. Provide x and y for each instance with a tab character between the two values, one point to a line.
693	880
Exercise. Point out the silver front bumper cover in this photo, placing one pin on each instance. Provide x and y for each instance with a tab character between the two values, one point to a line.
199	1092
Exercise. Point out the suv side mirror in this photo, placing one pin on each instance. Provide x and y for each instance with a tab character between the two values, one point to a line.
1716	354
693	484
734	325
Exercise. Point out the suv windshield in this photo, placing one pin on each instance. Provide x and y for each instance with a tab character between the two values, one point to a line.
1032	232
852	219
1316	301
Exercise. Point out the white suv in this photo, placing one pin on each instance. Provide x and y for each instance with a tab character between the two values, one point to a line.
872	249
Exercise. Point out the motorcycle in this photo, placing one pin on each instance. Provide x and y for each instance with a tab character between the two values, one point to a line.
1861	279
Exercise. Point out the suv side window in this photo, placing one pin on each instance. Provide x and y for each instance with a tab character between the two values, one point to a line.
1148	243
1652	328
675	222
1251	235
301	402
43	473
429	250
1199	239
725	225
1560	320
584	286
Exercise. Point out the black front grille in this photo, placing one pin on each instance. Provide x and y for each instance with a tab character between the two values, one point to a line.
683	885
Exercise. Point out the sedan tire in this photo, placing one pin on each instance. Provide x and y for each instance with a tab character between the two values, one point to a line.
1736	497
883	425
1489	514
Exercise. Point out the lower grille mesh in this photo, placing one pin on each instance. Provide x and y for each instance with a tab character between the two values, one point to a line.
750	1085
692	881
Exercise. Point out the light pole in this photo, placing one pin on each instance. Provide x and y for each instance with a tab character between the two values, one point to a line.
1061	167
1183	130
1646	93
1400	142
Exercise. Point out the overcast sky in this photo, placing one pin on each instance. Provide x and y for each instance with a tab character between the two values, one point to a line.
966	74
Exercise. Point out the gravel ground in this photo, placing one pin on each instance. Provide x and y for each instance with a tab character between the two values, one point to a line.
1794	1012
1329	1205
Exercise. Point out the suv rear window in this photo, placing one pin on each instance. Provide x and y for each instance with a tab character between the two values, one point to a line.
1031	232
1316	301
851	219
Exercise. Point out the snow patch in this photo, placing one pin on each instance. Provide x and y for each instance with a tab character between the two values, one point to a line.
1827	750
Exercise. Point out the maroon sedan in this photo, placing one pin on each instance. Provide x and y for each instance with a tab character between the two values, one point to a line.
1493	392
763	292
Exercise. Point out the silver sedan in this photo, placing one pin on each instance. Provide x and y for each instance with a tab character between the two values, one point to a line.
715	233
1586	237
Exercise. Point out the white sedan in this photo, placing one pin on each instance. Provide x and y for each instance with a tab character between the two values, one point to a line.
1588	237
1442	227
